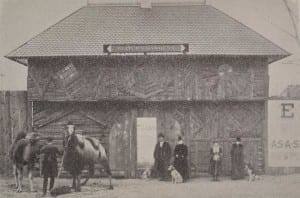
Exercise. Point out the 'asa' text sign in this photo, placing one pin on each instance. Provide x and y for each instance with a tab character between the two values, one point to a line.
284	133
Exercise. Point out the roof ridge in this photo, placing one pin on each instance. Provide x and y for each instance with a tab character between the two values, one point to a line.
156	4
64	40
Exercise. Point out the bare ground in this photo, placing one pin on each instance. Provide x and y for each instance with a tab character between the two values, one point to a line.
286	186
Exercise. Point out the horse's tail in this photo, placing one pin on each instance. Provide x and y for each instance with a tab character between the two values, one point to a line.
19	136
85	181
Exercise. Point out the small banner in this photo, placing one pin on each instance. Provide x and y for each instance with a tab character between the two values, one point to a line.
146	48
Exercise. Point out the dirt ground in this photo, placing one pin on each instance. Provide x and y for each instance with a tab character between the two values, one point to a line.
286	186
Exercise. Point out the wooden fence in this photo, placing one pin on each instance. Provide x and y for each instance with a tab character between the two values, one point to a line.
15	117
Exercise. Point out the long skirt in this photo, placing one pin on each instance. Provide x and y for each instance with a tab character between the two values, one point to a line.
215	167
181	165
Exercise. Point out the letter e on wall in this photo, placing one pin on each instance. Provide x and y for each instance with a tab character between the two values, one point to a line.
287	110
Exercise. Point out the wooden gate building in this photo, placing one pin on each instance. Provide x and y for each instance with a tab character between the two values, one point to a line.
199	72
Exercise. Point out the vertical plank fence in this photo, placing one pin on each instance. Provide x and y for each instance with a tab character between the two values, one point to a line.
14	118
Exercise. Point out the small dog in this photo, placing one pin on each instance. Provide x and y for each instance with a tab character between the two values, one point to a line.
176	177
60	190
251	174
146	173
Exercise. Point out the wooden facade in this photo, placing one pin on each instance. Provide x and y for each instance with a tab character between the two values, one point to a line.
151	78
199	98
199	72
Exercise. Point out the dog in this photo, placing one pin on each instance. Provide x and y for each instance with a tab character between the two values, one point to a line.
146	173
60	190
176	177
251	174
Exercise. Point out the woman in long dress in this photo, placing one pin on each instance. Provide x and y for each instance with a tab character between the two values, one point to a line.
180	158
215	165
237	160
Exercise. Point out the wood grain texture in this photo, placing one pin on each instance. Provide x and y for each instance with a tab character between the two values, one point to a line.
224	122
114	123
13	119
148	78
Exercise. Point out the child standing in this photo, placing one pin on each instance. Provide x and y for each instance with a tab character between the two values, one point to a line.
49	164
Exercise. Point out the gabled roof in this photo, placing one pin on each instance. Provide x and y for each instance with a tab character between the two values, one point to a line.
291	92
207	30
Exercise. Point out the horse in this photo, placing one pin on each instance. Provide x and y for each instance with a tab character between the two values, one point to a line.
23	153
81	151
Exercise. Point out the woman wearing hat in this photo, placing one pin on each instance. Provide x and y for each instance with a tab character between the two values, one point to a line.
180	158
237	160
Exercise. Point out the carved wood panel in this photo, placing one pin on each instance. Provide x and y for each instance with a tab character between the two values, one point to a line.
110	124
147	78
224	122
199	123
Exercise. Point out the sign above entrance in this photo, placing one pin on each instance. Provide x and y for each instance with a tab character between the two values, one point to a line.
146	48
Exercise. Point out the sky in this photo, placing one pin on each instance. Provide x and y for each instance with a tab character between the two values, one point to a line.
20	20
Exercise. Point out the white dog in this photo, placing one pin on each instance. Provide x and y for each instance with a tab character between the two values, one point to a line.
146	173
251	175
176	177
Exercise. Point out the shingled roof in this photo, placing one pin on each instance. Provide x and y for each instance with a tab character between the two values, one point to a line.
207	30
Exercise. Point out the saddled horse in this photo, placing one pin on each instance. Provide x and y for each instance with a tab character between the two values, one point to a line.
23	153
81	151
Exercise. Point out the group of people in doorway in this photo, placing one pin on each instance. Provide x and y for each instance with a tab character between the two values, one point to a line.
163	156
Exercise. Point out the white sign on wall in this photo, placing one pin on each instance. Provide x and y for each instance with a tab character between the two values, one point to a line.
284	133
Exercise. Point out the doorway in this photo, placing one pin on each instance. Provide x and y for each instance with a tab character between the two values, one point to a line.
146	141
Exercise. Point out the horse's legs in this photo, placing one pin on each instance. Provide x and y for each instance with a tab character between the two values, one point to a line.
78	188
74	182
30	178
107	170
15	173
20	177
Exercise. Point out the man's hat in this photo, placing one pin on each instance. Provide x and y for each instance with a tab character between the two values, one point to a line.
238	139
161	135
49	139
70	123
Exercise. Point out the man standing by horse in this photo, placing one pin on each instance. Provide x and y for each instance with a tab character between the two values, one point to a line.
49	164
82	151
162	156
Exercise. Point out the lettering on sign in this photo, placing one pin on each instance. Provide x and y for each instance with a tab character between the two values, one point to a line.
283	133
287	110
146	48
285	144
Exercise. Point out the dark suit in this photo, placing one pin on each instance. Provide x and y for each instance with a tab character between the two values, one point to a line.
49	165
162	156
